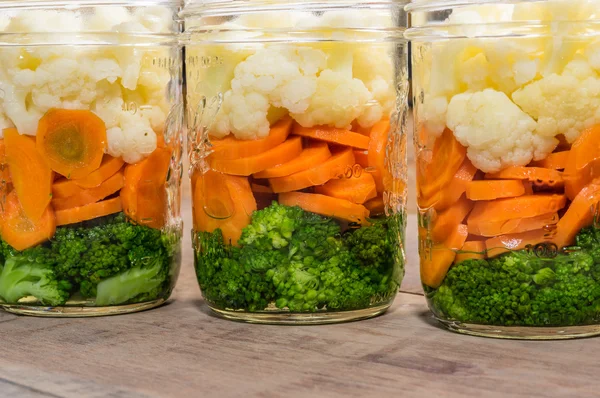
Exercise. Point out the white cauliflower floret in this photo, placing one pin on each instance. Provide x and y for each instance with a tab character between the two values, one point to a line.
563	104
433	111
495	131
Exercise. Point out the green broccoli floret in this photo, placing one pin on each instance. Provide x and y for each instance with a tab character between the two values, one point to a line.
31	273
371	245
271	227
519	288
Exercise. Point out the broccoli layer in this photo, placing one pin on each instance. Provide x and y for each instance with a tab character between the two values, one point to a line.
300	261
109	259
521	289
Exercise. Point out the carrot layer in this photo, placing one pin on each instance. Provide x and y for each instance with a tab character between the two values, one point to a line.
21	232
471	250
88	212
376	155
376	206
108	168
64	188
334	167
4	170
315	154
326	206
449	194
537	175
232	148
583	163
31	174
494	189
362	158
436	261
519	207
87	196
512	226
555	161
353	189
447	220
580	213
333	135
254	164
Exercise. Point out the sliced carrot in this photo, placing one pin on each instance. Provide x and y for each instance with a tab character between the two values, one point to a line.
580	213
326	206
376	206
520	207
436	261
376	155
87	196
63	188
536	175
257	188
4	170
222	201
21	232
512	226
362	158
555	161
504	243
333	135
144	194
72	141
290	149
446	158
88	212
446	221
229	148
354	189
107	169
583	163
494	189
336	166
471	250
30	173
450	193
312	155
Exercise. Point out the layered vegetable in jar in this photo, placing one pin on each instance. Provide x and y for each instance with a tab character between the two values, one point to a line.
90	115
507	132
297	152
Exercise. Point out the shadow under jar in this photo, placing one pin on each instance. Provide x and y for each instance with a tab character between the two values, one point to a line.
507	134
298	151
91	112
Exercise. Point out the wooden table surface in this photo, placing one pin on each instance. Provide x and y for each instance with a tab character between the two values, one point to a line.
181	350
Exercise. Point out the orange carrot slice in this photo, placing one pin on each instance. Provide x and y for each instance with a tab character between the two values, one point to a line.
144	194
87	196
436	262
555	161
229	148
333	135
334	167
88	212
290	149
376	206
537	175
471	250
494	189
450	193
447	157
520	207
583	163
446	221
108	168
72	141
362	158
314	154
63	188
354	189
257	188
504	243
4	170
30	173
21	232
376	154
580	213
228	205
326	206
512	226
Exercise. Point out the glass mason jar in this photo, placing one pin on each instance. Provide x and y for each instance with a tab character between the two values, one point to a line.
507	133
297	146
91	114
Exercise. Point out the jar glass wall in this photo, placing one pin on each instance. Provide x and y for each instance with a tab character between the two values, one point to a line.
297	145
91	113
507	131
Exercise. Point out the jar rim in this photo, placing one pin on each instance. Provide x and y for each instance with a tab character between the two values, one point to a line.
69	4
441	5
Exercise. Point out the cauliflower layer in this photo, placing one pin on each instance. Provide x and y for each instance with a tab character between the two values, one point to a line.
507	99
121	84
